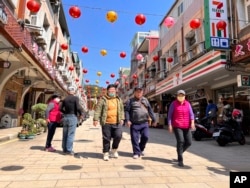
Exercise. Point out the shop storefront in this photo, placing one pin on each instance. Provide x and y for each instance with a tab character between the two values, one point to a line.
237	98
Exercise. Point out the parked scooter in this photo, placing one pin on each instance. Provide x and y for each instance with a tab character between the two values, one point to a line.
230	132
204	127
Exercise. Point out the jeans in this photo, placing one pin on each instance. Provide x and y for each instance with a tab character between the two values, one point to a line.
108	132
51	132
139	137
184	140
69	129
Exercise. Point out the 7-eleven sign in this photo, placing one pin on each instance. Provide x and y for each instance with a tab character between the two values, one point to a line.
216	24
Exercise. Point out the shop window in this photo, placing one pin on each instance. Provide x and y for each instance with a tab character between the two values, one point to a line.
10	99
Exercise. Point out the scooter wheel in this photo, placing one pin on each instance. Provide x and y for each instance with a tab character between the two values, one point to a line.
221	142
242	141
197	136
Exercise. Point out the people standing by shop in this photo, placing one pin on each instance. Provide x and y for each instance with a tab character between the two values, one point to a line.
138	111
109	113
211	111
181	121
71	109
53	117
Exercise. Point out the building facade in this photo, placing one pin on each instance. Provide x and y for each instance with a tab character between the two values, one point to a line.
204	52
35	58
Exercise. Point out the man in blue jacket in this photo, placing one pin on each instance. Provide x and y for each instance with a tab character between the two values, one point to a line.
137	114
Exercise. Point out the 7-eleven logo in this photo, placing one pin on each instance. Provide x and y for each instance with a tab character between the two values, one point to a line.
218	10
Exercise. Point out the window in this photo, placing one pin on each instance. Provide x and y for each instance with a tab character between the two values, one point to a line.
190	39
10	99
180	9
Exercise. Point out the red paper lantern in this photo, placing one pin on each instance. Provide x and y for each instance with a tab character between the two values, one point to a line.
33	5
156	58
77	80
195	23
169	22
80	87
85	49
84	71
71	68
139	57
75	12
221	25
64	46
107	82
140	19
116	83
122	54
170	59
126	83
112	75
134	76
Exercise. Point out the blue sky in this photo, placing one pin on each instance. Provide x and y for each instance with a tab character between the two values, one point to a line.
94	31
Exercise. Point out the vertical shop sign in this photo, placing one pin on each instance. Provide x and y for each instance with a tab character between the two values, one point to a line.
215	14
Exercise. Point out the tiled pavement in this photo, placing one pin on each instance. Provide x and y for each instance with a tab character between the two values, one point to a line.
25	164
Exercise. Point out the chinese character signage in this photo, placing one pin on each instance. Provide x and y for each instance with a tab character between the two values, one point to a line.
216	24
241	51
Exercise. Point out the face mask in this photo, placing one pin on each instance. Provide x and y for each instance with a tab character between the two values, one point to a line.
57	100
111	94
181	98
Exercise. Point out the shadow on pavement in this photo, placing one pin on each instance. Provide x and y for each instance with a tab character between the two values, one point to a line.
89	155
134	167
12	168
217	170
37	148
71	167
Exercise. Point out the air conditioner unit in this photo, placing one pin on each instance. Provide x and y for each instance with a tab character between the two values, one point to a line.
20	74
34	20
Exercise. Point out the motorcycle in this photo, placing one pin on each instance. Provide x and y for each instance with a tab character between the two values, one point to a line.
230	132
204	128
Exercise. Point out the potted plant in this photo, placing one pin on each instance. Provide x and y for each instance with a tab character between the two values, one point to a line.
28	125
38	111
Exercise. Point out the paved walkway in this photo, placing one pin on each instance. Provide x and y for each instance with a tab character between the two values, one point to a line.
207	165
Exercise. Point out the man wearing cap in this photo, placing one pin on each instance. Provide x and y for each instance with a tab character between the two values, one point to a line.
71	109
181	121
137	113
109	113
53	117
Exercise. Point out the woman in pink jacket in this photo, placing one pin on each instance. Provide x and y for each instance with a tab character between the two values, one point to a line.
181	121
53	117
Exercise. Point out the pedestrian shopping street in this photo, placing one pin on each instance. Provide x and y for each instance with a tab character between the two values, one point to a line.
26	164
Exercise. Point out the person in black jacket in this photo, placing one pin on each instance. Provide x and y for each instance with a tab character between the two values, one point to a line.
137	114
71	108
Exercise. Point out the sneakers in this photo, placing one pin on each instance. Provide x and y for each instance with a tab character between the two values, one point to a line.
106	156
114	153
50	149
70	153
136	156
142	153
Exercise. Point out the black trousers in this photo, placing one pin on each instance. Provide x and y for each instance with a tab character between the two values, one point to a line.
109	132
183	139
51	132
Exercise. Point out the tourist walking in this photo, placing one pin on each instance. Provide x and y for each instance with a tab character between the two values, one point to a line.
181	121
53	117
109	113
71	109
138	115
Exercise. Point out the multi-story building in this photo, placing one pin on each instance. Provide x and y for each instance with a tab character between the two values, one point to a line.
203	52
35	57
